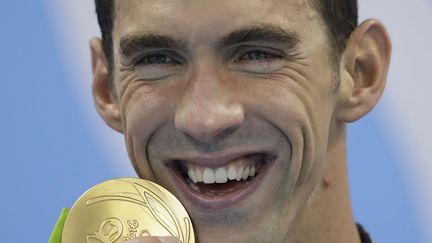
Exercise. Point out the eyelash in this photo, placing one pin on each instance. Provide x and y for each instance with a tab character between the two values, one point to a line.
155	59
160	58
256	56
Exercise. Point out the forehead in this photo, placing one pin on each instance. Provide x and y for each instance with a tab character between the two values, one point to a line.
202	21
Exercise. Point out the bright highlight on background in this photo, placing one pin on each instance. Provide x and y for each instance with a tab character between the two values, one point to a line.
54	146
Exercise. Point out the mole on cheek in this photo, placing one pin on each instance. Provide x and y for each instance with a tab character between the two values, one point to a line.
326	182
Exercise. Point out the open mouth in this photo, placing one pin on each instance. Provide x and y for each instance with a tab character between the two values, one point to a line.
225	179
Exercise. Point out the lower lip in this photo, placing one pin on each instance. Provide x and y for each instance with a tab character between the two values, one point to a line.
224	200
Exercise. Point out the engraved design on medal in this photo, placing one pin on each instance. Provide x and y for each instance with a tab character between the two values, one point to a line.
133	225
133	231
155	205
109	231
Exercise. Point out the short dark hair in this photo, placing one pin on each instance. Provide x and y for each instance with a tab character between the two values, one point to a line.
341	17
105	15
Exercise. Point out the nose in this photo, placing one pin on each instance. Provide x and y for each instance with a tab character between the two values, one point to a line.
208	109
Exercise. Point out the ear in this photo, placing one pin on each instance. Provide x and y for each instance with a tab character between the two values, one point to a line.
363	70
106	104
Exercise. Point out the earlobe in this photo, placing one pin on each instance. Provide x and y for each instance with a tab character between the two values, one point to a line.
105	103
363	70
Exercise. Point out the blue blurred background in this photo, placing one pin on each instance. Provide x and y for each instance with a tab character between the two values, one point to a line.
54	146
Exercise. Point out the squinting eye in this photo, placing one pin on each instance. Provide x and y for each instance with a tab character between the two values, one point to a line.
257	60
255	56
157	65
157	58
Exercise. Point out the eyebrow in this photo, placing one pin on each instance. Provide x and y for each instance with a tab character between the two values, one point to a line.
264	33
135	43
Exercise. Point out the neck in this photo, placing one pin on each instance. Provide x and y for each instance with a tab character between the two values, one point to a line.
327	217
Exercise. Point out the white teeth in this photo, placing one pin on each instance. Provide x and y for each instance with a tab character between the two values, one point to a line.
232	173
194	186
245	173
192	176
208	176
239	173
221	175
199	175
252	171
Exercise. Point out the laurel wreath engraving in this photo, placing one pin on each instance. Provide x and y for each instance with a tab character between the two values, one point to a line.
109	231
147	199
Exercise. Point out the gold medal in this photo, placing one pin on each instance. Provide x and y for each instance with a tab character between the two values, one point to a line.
122	209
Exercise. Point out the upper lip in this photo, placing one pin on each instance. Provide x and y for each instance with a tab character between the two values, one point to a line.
217	159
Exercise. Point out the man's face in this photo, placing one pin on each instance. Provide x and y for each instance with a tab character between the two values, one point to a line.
210	89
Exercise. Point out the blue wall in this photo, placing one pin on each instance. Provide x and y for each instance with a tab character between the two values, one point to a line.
50	156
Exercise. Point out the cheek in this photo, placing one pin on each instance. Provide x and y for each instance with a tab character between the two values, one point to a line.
146	106
144	110
302	113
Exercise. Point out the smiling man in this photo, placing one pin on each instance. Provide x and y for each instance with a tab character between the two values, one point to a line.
239	108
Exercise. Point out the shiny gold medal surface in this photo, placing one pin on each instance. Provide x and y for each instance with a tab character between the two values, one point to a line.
122	209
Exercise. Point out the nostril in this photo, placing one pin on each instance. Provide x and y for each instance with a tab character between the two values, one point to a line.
225	133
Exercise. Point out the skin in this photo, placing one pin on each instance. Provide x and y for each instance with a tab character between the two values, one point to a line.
294	102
